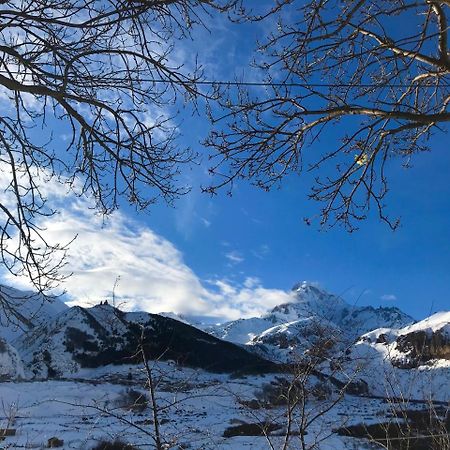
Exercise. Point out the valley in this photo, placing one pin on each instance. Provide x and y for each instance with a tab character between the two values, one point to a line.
316	373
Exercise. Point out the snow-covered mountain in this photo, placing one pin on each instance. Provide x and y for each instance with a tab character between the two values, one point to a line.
56	341
101	335
409	362
290	329
81	363
21	311
412	346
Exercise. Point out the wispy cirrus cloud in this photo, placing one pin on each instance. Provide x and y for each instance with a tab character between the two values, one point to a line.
262	251
206	223
388	297
234	257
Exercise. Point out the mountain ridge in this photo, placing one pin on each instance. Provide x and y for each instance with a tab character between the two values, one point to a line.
63	343
101	335
287	326
21	311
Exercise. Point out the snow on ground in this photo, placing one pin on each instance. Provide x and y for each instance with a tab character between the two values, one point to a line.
196	407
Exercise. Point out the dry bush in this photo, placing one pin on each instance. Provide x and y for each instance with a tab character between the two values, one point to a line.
114	445
132	400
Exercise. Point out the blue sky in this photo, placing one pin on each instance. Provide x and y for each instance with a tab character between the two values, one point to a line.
236	256
260	234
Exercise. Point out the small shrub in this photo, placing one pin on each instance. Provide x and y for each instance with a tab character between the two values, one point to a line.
252	404
54	442
322	390
7	432
132	400
114	445
279	393
251	429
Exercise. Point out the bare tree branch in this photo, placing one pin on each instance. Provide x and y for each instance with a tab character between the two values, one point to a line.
373	74
100	83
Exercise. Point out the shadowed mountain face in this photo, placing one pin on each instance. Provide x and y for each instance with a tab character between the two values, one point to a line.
93	337
10	362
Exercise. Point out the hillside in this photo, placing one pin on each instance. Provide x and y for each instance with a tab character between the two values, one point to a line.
22	311
411	362
101	335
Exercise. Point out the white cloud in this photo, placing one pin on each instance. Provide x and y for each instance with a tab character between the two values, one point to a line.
205	222
388	297
262	251
149	270
248	299
234	257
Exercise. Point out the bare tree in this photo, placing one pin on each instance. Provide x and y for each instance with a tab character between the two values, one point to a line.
88	90
298	403
379	70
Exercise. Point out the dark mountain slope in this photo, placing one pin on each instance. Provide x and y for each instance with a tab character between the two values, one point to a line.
94	337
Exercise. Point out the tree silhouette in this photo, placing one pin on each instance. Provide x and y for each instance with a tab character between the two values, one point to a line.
377	73
98	80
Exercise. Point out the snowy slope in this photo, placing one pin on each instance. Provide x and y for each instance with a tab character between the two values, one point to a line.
21	311
438	322
288	341
203	407
243	331
413	361
421	343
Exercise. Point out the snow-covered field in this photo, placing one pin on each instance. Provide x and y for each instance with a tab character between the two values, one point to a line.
195	409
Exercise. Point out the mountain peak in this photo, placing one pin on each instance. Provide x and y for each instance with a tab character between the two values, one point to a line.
310	304
305	286
310	299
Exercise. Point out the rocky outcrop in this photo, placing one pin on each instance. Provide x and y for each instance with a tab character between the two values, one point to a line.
422	346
